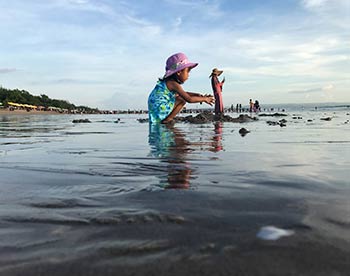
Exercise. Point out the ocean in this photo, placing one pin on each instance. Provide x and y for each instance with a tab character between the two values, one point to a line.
117	197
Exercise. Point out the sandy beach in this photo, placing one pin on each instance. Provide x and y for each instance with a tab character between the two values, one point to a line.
6	111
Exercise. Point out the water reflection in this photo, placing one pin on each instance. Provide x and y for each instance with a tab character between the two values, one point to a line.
216	144
170	145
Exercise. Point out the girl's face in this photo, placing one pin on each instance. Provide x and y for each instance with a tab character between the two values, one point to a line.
183	74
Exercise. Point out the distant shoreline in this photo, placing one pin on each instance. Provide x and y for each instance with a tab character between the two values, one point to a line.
25	112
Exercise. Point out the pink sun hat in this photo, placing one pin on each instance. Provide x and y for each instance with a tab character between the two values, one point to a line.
176	63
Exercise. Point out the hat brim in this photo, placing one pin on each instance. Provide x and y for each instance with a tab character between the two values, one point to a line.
216	73
168	73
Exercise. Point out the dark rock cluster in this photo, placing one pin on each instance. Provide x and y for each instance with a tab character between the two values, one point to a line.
77	121
281	123
208	117
272	115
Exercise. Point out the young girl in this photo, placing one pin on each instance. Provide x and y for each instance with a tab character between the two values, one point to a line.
168	97
217	90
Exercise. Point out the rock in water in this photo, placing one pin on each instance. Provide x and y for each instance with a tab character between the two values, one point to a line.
81	121
243	131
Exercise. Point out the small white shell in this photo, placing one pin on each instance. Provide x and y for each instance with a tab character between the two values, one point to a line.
273	233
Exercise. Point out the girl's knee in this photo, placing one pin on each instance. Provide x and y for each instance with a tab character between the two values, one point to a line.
182	101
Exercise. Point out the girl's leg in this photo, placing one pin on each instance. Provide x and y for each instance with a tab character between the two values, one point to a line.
179	104
217	103
221	104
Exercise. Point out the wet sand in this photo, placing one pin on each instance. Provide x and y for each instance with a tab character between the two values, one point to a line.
217	237
185	199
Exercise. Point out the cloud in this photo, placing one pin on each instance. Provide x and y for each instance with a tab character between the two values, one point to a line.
326	88
209	8
82	4
113	48
7	70
332	12
325	4
177	23
75	81
329	13
141	26
79	1
306	91
314	3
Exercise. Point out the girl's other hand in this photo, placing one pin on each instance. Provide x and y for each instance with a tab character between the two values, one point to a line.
209	100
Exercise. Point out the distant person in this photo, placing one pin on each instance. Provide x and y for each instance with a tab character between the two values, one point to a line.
168	97
256	106
251	105
217	90
240	108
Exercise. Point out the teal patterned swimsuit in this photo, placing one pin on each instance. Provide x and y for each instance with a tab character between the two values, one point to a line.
161	102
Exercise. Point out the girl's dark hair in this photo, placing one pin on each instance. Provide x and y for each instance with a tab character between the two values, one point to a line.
171	77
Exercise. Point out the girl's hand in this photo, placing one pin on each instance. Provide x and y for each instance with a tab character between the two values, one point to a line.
209	100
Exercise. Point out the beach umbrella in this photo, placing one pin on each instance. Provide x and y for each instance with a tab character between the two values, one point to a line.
14	104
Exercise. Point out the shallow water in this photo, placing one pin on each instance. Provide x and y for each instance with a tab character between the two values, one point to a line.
107	198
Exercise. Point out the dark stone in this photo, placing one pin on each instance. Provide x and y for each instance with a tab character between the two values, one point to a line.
77	121
283	121
272	115
243	131
326	119
209	117
142	120
272	123
201	118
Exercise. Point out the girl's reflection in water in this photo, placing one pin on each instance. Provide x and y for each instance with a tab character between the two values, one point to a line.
217	138
170	145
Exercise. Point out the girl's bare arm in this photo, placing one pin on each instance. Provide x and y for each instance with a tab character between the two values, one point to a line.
189	97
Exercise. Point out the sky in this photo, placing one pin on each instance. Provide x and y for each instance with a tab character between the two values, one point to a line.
109	54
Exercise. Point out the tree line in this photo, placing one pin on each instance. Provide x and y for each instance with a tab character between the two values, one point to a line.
24	97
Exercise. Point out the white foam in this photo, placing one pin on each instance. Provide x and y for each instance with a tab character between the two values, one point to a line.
273	233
